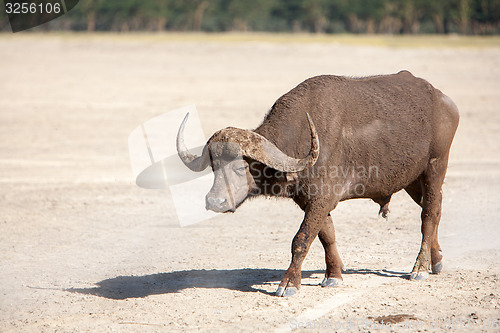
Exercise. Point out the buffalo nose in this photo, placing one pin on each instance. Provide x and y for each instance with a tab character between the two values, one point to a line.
215	204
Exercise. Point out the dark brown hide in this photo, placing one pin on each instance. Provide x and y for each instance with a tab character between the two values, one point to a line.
378	135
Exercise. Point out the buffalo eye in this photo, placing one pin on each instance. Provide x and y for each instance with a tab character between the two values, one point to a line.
241	170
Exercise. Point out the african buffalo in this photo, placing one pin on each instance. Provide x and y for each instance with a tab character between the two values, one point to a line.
334	138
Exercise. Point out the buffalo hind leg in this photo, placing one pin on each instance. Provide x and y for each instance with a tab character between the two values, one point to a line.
416	193
313	222
431	199
334	265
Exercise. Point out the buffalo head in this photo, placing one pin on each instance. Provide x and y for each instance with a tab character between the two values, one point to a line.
228	152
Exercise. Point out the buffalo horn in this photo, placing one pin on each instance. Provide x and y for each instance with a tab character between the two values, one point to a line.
193	162
252	145
261	149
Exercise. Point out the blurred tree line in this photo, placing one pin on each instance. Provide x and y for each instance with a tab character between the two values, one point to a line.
320	16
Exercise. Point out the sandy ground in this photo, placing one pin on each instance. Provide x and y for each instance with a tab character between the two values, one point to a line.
82	248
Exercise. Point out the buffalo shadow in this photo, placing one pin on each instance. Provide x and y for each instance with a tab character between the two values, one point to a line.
245	280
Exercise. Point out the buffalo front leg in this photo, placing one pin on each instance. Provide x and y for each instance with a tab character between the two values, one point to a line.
334	265
430	252
314	220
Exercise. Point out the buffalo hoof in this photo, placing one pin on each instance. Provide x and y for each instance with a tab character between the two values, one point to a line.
331	282
437	268
419	276
285	292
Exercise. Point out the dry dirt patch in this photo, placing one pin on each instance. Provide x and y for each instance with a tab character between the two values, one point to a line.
83	249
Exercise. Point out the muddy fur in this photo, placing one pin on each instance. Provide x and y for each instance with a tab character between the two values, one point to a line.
377	135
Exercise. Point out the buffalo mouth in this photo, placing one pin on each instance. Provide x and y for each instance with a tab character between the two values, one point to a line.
221	210
218	205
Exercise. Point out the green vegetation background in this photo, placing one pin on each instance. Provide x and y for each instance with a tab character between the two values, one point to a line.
478	17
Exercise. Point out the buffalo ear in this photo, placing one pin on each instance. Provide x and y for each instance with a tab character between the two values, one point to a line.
292	177
286	177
